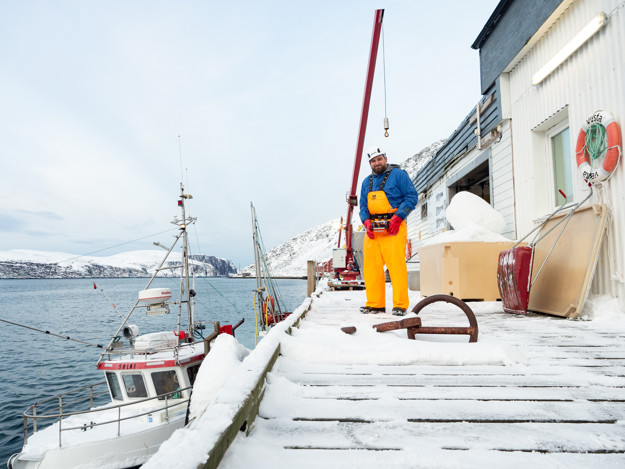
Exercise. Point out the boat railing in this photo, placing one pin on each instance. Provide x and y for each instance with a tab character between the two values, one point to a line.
121	351
55	409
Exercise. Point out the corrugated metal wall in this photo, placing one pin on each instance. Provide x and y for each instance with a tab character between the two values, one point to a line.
591	79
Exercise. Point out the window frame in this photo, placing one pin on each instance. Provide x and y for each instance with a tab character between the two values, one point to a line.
142	391
550	134
158	382
114	389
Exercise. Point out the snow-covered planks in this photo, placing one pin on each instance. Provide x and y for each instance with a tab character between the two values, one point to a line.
561	404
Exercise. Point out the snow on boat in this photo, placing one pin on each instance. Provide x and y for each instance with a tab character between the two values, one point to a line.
148	379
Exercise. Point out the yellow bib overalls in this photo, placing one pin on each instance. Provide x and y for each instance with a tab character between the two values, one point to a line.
385	249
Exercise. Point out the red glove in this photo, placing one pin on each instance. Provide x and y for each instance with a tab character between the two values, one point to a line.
393	225
367	224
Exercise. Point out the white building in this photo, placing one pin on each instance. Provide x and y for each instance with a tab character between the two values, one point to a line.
529	124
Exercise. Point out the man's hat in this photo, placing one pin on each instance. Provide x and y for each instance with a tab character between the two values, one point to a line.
375	151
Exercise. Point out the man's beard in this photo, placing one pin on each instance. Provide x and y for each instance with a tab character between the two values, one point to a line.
379	169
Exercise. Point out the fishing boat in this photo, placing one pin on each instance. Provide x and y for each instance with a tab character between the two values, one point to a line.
148	378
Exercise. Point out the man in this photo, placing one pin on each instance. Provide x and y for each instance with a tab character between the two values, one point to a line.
387	196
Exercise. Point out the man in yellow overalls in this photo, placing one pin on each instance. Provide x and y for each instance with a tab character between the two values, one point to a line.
387	197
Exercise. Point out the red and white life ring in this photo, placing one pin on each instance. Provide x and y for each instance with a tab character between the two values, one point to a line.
612	153
269	306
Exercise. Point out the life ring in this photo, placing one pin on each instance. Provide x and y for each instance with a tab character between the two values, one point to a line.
611	154
269	301
269	307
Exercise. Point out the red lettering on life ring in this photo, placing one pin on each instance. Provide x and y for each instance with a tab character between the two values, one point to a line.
612	154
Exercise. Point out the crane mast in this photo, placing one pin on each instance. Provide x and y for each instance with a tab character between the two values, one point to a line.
350	271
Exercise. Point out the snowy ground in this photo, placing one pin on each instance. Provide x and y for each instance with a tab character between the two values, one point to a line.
534	391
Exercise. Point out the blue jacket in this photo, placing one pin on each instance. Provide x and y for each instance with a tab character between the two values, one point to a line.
399	191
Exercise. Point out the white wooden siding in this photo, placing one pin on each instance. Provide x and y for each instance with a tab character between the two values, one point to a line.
590	80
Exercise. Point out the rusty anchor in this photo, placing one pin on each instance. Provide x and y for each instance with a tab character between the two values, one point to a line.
413	325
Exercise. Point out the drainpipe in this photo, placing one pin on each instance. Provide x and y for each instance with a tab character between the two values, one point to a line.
478	130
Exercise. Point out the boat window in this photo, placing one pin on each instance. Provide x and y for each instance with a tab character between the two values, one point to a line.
166	382
134	384
192	372
116	392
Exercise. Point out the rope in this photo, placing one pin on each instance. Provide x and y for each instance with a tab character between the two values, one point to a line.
595	141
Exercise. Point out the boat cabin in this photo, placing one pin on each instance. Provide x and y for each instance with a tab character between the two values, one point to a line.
148	375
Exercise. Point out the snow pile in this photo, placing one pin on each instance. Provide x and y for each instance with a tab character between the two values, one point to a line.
467	209
602	308
473	219
367	346
225	357
470	233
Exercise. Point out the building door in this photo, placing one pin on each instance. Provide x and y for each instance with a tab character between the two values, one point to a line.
476	181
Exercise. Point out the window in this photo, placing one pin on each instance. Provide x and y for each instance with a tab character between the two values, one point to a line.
192	372
560	148
116	391
135	387
166	382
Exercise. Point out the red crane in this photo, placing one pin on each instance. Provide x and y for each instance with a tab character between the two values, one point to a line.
348	270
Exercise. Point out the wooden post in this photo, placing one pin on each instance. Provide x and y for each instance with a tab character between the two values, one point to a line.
311	277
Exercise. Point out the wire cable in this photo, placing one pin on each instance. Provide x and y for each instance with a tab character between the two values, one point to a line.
115	246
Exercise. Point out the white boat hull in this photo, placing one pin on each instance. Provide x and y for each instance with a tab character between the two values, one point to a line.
116	453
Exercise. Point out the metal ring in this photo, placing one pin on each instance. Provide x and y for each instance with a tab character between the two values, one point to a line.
471	331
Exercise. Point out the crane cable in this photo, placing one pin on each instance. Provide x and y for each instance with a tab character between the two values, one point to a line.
386	125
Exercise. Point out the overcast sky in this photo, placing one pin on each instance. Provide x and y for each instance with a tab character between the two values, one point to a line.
265	95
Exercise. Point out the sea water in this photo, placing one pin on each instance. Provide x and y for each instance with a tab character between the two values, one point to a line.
35	365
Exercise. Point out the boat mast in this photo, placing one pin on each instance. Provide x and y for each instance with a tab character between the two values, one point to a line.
185	258
256	253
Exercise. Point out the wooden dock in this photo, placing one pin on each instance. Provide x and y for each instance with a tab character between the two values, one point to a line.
562	405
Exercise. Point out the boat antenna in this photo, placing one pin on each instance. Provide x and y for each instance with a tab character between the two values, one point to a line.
180	157
97	287
51	333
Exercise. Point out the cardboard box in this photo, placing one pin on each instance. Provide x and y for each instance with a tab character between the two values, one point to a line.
466	270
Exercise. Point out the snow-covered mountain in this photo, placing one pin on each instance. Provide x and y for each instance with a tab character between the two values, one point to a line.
413	164
20	263
289	258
